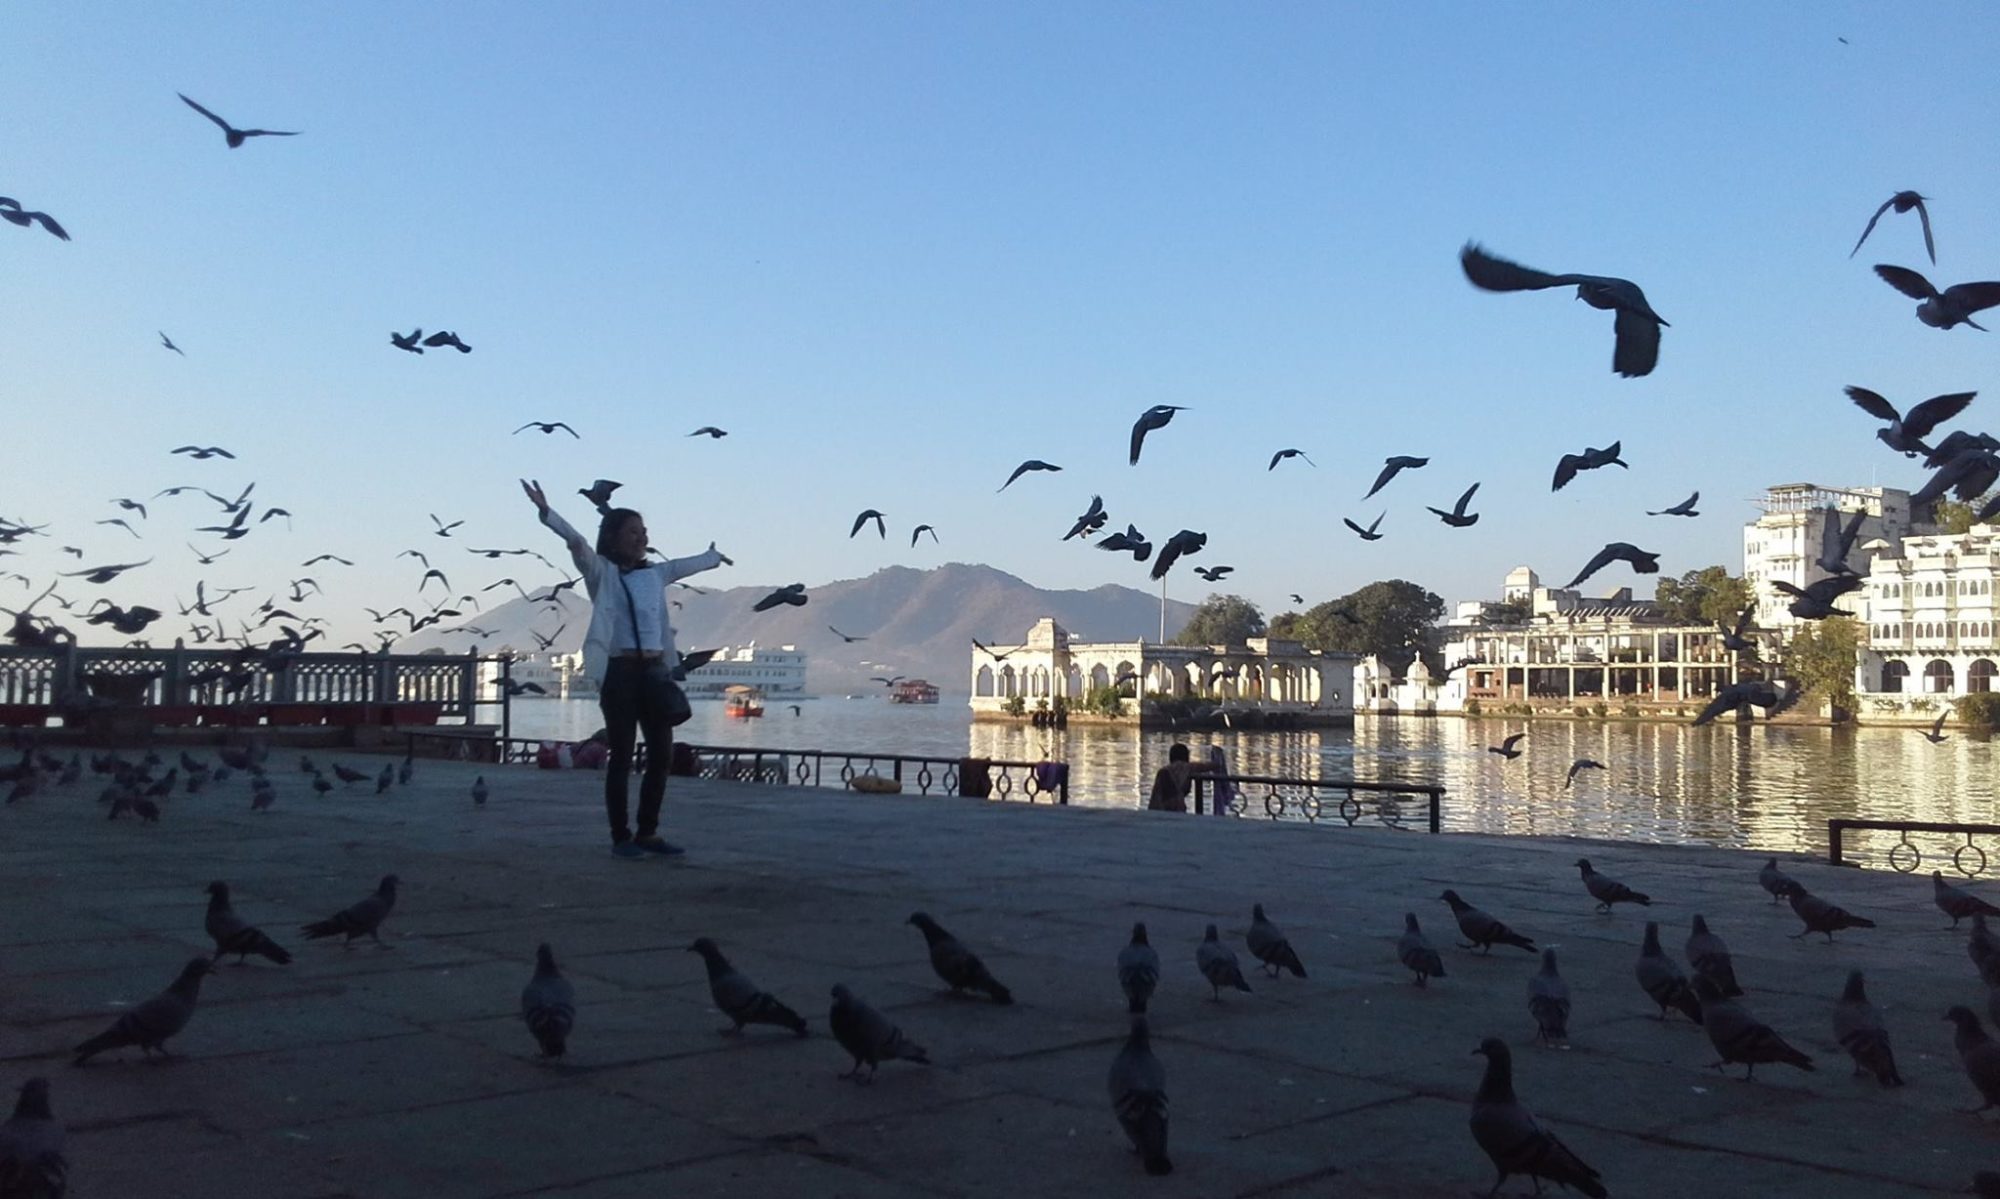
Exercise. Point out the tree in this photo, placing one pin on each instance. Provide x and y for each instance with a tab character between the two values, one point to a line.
1393	620
1821	658
1222	620
1508	612
1287	625
1954	517
1706	596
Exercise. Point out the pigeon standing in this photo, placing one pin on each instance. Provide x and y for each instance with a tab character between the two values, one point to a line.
1740	1037
232	934
1138	1085
361	919
1548	1001
479	791
1138	970
1956	902
1505	1128
738	997
1823	917
1416	952
32	1165
1482	931
1269	946
1978	1054
1710	958
1775	880
958	966
1608	891
1217	963
1858	1026
1663	981
868	1036
548	1004
154	1022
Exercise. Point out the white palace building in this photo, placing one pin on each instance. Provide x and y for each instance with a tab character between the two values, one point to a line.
1929	613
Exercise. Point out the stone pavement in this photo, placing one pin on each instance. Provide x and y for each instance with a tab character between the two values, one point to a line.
405	1071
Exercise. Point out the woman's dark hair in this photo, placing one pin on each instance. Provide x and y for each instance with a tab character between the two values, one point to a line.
608	529
1179	753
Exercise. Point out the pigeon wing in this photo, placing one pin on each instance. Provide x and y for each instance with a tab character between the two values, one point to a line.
1637	350
1878	216
1924	215
1973	296
1935	411
1874	404
1491	273
1907	281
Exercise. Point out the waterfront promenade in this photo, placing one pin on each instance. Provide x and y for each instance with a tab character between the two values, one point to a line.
405	1071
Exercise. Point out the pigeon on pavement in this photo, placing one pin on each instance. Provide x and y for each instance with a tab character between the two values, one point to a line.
154	1022
232	934
1978	1054
32	1165
1740	1037
958	966
868	1036
738	998
1709	957
1858	1026
1774	880
1269	946
1608	891
1217	963
1548	1001
1663	981
1138	1086
1823	917
1416	952
1138	970
1956	902
1504	1127
1482	931
361	919
548	1004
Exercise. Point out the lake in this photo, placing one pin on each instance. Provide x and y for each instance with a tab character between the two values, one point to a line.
1751	786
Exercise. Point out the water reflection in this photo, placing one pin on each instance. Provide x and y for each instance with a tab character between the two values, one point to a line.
1753	786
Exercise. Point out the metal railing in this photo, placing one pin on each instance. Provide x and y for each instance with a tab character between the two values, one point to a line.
1904	856
1308	799
982	778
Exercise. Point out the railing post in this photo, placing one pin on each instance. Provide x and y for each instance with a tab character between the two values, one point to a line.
506	696
1834	828
1437	802
1200	795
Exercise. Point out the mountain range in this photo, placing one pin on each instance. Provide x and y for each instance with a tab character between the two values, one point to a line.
916	623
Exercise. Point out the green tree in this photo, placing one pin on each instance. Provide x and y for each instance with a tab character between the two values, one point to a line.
1287	625
1821	658
1508	612
1705	596
1394	620
1222	620
1954	517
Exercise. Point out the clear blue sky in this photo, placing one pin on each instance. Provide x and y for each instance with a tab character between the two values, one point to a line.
896	248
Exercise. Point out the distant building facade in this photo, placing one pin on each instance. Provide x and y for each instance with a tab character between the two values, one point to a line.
1268	674
1930	620
1784	543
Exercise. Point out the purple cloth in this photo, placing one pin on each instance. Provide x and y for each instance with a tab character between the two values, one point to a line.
1051	776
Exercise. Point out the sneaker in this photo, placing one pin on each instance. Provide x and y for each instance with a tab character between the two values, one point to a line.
657	844
627	849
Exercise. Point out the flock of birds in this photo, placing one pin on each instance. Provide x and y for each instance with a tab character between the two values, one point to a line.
1708	992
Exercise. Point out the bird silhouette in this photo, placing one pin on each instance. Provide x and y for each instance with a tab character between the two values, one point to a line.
845	638
1590	459
1637	326
599	493
443	529
1906	432
1213	573
1131	539
1393	467
1901	202
1771	697
793	594
867	515
1024	468
444	338
1369	533
1281	455
1187	541
12	212
103	574
1091	521
412	341
919	531
1934	735
712	432
1815	602
1941	309
1618	551
1152	418
1684	508
168	342
1506	748
1457	518
234	136
547	426
202	453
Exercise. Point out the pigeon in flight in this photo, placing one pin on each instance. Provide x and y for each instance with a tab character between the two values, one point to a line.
203	453
1934	734
1131	539
1457	517
1506	748
712	432
11	211
1024	468
1906	432
412	341
1837	541
1942	309
1152	418
599	493
990	652
1590	459
1684	508
547	426
843	636
1578	766
1297	598
919	531
234	136
793	594
1213	573
1369	533
1391	468
103	574
866	516
1755	692
122	523
1815	602
444	338
1187	541
1618	551
443	529
1901	202
1091	521
1281	455
1733	639
168	342
1637	326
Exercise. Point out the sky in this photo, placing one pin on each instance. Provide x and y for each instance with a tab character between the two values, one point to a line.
895	249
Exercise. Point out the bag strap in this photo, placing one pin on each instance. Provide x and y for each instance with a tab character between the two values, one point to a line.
632	606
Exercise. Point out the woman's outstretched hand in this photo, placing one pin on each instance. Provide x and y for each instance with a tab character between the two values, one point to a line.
534	491
726	559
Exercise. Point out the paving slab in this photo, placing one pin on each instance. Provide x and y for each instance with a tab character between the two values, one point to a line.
404	1069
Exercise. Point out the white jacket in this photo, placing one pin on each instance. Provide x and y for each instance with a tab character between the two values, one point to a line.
599	573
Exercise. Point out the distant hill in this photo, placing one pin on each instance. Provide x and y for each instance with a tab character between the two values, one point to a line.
918	623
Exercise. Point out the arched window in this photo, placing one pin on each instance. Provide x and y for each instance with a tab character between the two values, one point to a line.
1099	677
982	683
1938	676
1979	675
1893	674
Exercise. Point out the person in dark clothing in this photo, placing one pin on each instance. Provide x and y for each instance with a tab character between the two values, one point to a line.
1172	782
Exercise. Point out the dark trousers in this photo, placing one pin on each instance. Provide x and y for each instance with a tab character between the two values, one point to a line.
634	698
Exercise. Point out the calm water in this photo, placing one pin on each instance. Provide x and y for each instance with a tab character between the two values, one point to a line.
1751	786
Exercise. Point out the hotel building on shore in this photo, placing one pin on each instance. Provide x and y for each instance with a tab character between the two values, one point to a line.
1932	631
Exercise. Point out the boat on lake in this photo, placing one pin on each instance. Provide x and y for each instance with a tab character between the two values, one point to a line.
742	701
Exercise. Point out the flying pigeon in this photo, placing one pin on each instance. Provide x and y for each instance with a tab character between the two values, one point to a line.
1618	551
1092	520
1637	326
1393	467
1506	748
1684	508
1369	533
1815	602
1768	696
710	431
792	593
1590	459
868	514
1024	468
230	133
599	493
1131	539
1457	517
919	531
1152	418
12	212
446	338
1902	202
547	426
1906	432
738	998
1942	309
412	341
1281	455
1579	766
1187	541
